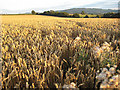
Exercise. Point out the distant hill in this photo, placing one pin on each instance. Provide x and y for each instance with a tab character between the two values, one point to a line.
88	10
71	11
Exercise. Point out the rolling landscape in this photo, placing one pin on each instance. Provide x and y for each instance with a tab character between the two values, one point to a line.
89	10
70	11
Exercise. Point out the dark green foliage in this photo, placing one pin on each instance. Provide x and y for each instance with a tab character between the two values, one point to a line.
63	14
33	12
86	16
111	15
53	13
82	12
76	15
98	16
37	13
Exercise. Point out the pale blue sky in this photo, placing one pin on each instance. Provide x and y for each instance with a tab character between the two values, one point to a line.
41	5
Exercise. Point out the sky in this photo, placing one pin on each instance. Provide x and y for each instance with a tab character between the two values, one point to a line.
42	5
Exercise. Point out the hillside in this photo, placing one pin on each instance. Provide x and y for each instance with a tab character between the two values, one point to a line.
88	10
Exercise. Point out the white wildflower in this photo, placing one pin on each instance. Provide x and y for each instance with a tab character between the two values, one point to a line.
65	86
108	65
101	76
72	85
108	74
106	44
115	77
104	70
104	85
112	70
77	38
105	81
111	81
97	51
115	66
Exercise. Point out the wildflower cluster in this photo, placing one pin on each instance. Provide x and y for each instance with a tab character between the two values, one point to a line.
108	77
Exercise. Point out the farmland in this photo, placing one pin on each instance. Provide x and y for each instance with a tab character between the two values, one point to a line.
52	52
89	15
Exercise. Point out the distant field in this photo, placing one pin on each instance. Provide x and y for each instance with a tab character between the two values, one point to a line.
88	15
52	52
82	16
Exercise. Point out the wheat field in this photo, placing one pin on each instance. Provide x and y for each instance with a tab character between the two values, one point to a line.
52	52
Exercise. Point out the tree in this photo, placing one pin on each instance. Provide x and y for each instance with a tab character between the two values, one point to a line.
82	12
86	16
63	14
37	13
53	13
33	12
76	15
98	16
111	15
46	12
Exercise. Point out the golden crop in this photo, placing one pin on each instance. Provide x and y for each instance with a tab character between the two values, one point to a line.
51	52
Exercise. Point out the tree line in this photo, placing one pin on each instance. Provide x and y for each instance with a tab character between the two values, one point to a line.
59	14
76	15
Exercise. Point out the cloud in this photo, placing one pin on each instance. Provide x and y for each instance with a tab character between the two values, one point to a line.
22	6
48	4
